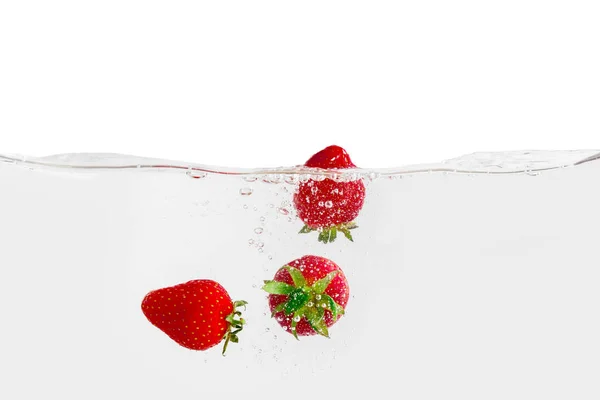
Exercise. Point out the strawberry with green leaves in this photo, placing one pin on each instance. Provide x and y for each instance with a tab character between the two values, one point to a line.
198	314
328	206
308	295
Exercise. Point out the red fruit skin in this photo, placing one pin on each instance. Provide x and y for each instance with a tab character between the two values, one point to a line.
330	157
313	268
327	203
192	313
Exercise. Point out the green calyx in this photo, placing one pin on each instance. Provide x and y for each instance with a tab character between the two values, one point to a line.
305	301
329	234
235	324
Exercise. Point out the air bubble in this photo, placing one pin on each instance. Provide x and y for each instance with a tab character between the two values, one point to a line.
314	190
328	204
291	179
270	257
250	178
196	174
262	219
260	245
258	231
246	191
324	305
251	241
297	319
321	204
318	297
304	178
310	304
283	211
245	206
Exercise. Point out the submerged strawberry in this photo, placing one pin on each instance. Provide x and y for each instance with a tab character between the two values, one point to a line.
198	314
326	205
308	295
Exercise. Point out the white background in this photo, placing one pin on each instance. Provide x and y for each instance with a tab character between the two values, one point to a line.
267	83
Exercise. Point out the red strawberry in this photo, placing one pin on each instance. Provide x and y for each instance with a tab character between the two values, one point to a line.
308	295
329	206
197	314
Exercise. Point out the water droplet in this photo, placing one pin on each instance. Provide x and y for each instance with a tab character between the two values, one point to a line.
297	319
328	204
258	231
318	297
196	174
304	178
373	176
291	179
283	211
246	191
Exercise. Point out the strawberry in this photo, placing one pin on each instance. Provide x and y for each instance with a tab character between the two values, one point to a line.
308	295
197	314
326	205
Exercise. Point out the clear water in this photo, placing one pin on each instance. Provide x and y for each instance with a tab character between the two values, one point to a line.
475	278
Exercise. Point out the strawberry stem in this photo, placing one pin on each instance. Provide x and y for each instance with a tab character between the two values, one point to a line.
235	324
304	301
328	234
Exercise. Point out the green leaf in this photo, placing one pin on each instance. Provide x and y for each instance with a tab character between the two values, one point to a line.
276	287
239	303
347	234
296	301
314	316
233	338
332	306
350	225
321	328
297	315
297	276
277	309
332	234
320	285
306	229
